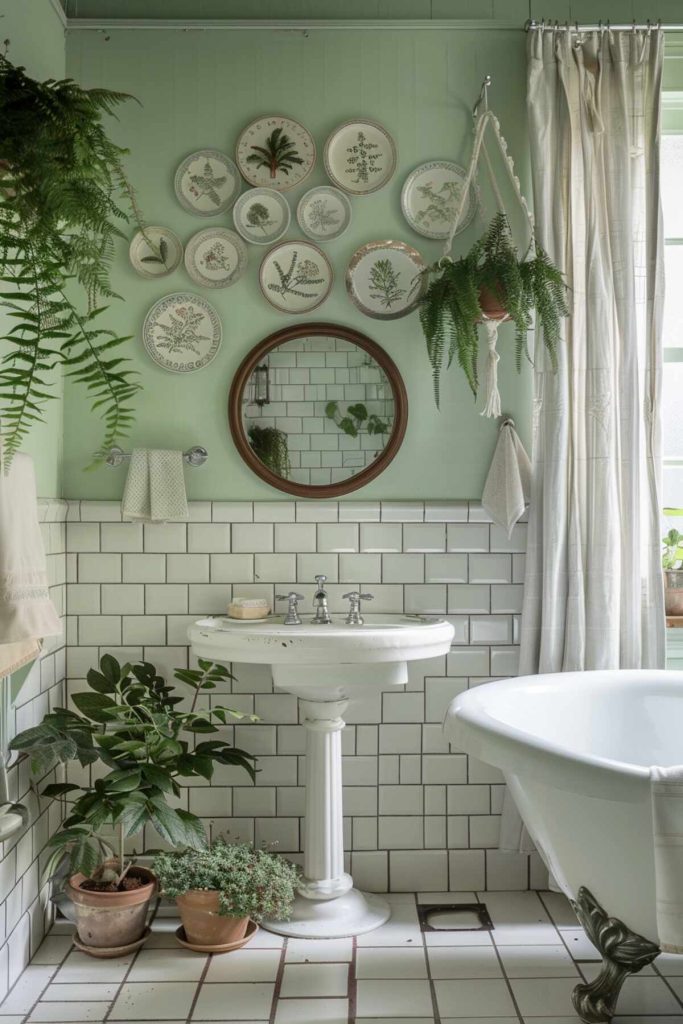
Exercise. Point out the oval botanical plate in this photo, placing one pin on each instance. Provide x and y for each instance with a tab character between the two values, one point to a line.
215	257
324	213
182	332
360	157
155	252
261	215
295	277
383	279
207	183
430	198
276	151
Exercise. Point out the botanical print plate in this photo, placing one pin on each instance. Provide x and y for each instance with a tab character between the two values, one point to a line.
295	277
324	213
207	183
160	257
276	152
261	215
430	198
383	280
360	157
215	257
182	332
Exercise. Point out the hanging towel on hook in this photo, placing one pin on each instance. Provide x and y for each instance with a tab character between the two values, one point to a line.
155	487
508	484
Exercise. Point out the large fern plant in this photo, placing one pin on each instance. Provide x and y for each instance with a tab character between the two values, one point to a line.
451	306
61	186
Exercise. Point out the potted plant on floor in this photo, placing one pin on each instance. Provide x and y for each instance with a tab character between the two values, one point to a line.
223	887
672	564
129	722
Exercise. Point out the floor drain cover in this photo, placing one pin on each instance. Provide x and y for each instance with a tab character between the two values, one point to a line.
452	917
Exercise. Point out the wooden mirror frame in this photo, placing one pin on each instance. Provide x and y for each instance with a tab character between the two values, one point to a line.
308	330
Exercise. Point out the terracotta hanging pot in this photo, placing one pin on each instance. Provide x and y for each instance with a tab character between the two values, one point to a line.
491	306
203	924
112	919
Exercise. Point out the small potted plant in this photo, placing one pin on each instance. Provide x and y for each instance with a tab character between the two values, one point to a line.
223	887
130	722
672	564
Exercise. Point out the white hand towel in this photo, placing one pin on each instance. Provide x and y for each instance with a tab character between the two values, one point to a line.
155	487
508	484
666	788
26	612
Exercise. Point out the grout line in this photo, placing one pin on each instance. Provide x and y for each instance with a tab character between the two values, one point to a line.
277	988
432	987
49	981
123	981
200	984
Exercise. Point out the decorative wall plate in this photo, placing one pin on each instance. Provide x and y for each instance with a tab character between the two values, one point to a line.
324	213
275	152
159	259
215	257
182	332
207	183
295	277
261	215
360	157
430	198
382	279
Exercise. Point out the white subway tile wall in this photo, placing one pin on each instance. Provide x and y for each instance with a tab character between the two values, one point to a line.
417	814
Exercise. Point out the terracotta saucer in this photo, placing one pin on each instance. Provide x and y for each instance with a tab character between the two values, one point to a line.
107	952
225	947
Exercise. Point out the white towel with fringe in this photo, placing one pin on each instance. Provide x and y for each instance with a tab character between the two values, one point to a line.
155	487
508	484
666	788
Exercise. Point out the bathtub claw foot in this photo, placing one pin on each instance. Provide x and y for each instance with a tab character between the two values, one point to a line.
623	953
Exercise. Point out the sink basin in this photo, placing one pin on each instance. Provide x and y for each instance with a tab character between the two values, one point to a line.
326	666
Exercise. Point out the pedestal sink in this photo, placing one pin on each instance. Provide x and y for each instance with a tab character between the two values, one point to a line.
326	666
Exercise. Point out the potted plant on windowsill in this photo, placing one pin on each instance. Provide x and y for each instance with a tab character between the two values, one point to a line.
672	564
129	721
220	889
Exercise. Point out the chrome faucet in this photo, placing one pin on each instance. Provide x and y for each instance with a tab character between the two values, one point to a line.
292	617
322	613
354	618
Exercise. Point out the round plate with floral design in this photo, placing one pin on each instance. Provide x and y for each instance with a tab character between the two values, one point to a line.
215	257
155	252
324	213
430	198
295	277
275	152
182	332
261	215
360	157
207	183
383	279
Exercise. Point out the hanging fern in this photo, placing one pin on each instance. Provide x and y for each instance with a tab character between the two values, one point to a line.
61	183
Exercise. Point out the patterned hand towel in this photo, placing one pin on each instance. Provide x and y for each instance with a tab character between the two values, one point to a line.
507	487
666	787
155	487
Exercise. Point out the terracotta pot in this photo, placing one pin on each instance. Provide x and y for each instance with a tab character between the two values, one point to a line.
673	591
111	918
491	305
203	925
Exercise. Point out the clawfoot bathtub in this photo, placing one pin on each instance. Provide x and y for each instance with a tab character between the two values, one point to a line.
575	749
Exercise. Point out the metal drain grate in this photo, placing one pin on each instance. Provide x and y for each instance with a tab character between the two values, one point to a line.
454	917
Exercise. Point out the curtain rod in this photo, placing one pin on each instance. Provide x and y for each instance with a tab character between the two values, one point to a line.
555	26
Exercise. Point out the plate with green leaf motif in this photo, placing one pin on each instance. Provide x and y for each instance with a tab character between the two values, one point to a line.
275	152
261	215
215	257
207	183
324	213
295	277
383	279
430	198
155	251
360	157
182	332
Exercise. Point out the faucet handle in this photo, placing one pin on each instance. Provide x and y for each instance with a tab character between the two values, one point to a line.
321	581
292	617
291	596
354	618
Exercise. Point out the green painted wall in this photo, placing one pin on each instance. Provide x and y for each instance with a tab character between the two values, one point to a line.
37	41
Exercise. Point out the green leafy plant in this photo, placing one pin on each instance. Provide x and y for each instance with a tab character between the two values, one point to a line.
672	551
258	217
278	154
384	286
451	306
61	183
300	274
157	257
357	419
270	446
250	883
131	722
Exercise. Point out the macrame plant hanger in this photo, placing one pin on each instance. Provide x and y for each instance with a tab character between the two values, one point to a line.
482	121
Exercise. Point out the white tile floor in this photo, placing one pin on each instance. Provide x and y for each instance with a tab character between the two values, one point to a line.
522	972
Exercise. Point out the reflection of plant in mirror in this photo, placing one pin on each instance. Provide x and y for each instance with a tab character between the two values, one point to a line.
270	446
258	217
357	419
672	554
292	279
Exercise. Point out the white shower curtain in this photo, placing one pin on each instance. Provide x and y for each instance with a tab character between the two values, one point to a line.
593	593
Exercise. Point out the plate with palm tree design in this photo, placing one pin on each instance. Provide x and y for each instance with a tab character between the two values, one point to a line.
182	332
275	152
207	183
155	251
215	257
383	279
295	277
324	213
261	215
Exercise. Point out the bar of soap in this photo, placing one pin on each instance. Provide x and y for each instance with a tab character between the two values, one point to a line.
248	608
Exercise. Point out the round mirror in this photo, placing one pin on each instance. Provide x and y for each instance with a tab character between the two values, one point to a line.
318	410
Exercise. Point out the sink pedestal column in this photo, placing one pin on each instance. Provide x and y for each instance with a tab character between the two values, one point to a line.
327	905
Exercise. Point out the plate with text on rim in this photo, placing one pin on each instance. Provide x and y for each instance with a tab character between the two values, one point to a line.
296	277
261	215
383	279
275	152
430	198
360	157
324	213
215	257
155	252
207	183
182	332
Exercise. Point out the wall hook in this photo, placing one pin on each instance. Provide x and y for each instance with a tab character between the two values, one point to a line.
483	95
